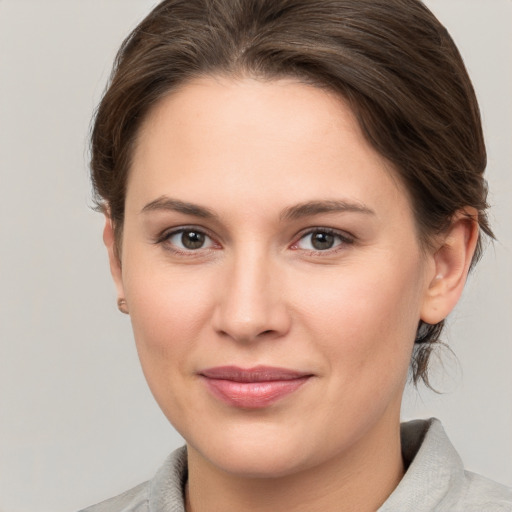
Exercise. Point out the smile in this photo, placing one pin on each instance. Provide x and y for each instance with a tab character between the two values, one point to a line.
252	388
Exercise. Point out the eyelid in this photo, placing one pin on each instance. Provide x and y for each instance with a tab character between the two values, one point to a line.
346	239
166	234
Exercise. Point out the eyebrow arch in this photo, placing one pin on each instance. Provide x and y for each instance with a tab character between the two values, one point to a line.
295	212
316	207
175	205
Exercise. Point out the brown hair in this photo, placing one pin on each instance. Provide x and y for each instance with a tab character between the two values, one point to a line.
391	60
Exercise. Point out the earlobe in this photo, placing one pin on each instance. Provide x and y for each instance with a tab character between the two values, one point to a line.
115	263
452	261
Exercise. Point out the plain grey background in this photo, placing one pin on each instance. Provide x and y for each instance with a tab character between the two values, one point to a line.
77	423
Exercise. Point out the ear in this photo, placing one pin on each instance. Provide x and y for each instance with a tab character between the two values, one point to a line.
113	256
452	260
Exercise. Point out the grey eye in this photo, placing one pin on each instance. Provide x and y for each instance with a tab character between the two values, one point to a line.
320	241
190	240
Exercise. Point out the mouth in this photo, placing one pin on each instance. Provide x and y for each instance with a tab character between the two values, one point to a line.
252	388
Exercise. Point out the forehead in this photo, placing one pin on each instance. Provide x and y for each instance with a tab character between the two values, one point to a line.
216	136
251	111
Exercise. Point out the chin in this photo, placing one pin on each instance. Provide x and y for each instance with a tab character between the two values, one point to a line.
258	462
258	450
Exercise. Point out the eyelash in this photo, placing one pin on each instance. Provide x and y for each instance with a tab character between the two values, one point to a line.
343	238
164	239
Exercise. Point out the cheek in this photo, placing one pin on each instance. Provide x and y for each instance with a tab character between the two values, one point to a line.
365	319
169	311
168	307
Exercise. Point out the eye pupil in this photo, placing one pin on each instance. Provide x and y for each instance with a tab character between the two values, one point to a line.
192	239
322	241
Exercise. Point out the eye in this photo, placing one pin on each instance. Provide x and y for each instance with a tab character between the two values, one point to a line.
321	240
188	240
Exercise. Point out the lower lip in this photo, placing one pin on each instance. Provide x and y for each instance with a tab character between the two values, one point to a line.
253	395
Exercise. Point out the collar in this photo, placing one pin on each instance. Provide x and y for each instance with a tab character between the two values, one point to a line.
434	478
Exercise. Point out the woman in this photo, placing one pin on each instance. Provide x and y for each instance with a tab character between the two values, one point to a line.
294	196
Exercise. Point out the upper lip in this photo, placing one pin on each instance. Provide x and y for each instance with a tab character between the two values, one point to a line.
255	374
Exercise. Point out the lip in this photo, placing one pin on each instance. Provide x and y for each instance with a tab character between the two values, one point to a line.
252	388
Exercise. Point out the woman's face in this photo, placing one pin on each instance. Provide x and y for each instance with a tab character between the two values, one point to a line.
273	275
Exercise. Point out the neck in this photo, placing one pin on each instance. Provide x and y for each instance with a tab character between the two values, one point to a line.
360	480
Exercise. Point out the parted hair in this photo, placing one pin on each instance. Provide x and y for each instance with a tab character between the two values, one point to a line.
391	60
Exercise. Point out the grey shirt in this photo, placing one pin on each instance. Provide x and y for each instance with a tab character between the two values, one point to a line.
435	481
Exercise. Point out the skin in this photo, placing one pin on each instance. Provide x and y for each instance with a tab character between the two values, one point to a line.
258	292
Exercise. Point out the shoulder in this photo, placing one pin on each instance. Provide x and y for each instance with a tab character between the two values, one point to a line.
484	494
133	500
163	492
435	479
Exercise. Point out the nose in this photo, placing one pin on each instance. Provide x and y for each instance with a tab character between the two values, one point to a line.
251	301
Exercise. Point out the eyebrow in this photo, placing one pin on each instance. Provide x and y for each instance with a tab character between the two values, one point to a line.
295	212
175	205
311	208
